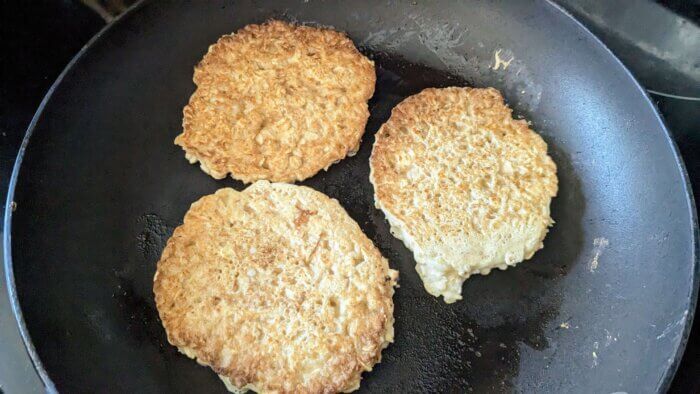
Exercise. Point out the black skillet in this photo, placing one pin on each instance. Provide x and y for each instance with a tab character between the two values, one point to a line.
605	306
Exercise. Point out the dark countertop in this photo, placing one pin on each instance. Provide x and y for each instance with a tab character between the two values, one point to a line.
37	42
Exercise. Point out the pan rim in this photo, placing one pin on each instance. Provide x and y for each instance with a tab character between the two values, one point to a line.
663	384
665	381
9	278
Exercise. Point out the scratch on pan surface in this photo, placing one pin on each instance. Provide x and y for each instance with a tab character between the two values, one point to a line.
609	338
391	39
498	62
673	325
442	40
599	245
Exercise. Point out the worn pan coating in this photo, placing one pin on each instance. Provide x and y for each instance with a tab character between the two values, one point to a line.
605	307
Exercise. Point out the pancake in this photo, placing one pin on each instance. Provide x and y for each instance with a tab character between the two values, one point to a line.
276	289
277	102
464	185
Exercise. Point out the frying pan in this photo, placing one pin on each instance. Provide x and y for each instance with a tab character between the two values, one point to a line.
99	186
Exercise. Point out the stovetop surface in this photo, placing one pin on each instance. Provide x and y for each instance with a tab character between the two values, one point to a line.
658	41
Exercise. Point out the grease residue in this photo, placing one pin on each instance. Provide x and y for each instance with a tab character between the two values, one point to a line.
154	235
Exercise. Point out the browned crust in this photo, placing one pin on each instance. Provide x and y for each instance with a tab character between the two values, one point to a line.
462	178
278	102
206	265
488	112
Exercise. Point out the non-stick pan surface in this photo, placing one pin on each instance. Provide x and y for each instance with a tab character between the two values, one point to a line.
604	307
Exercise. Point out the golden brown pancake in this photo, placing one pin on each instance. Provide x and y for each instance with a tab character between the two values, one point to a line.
278	102
464	185
276	289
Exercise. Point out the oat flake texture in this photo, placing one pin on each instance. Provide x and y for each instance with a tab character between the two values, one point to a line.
276	289
464	185
277	102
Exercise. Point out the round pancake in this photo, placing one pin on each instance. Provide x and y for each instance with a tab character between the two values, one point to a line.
277	289
464	185
277	102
